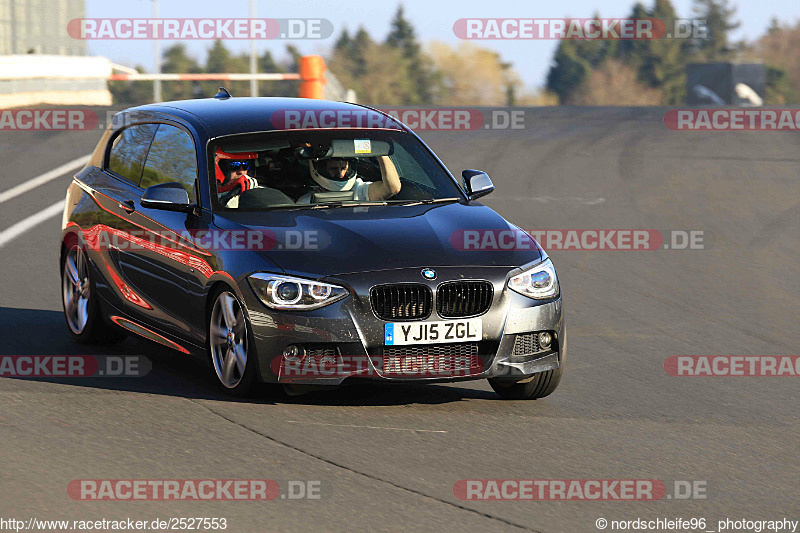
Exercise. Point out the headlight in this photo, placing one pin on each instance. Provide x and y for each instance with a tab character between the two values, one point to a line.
539	282
284	292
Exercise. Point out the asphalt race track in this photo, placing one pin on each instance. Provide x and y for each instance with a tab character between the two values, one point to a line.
387	458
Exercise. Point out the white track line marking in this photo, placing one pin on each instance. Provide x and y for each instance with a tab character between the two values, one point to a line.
366	427
44	178
27	223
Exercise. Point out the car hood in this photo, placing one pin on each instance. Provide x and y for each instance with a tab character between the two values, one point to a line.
325	242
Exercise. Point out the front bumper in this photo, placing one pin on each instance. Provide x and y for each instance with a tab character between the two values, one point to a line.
345	340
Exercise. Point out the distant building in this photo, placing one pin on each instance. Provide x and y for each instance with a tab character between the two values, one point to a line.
730	83
40	27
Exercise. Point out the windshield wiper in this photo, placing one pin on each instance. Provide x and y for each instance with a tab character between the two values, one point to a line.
366	204
323	205
319	205
349	203
287	207
336	203
427	202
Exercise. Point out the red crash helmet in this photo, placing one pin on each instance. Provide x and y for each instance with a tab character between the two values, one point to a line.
242	182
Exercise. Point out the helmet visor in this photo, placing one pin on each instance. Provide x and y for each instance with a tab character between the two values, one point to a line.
240	165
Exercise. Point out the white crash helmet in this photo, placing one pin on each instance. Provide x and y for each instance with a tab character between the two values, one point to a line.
319	173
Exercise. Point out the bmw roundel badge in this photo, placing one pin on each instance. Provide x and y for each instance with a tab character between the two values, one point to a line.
428	273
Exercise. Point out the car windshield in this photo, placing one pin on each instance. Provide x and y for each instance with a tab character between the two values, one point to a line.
325	169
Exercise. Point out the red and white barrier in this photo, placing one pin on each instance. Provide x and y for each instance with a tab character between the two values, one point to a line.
28	80
204	77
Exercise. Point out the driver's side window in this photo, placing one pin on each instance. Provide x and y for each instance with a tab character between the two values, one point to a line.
171	159
128	150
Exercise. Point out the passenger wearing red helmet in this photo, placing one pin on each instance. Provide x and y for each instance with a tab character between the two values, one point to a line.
232	175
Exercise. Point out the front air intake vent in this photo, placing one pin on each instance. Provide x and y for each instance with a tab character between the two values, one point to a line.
406	301
458	299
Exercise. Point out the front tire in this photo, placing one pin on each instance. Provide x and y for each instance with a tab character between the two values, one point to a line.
532	387
229	340
81	309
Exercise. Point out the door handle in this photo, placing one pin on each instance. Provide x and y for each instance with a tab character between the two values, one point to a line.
128	206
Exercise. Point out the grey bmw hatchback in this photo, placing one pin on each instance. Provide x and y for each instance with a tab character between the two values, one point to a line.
304	242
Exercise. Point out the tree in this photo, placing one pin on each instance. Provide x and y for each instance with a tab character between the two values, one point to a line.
472	75
294	58
219	58
574	59
343	43
360	48
660	62
219	61
778	49
666	65
375	71
777	88
177	61
343	58
567	71
131	92
614	84
267	64
403	38
718	15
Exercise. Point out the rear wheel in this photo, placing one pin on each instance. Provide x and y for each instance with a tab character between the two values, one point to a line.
530	388
228	343
81	310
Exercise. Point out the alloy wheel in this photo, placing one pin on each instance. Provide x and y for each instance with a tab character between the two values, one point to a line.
228	340
76	289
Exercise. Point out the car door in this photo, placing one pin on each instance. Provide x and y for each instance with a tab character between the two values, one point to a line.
115	191
158	263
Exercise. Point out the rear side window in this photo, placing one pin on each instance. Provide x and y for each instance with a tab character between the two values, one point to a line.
129	150
171	159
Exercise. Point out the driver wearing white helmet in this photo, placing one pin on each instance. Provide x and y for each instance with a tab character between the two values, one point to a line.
338	175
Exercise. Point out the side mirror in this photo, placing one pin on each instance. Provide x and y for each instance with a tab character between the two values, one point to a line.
477	183
167	196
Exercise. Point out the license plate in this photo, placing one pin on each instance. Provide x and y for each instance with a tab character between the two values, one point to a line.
396	333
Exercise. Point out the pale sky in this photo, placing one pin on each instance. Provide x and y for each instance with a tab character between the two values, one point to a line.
433	20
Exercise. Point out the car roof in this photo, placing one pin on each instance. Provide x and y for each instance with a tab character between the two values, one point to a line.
226	116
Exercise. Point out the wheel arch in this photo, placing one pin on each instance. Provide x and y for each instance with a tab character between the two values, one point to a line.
68	239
